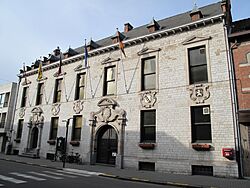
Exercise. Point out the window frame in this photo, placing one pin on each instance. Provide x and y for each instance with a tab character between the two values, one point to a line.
79	87
194	125
74	128
142	127
40	93
6	99
53	128
106	82
2	98
57	90
143	75
195	44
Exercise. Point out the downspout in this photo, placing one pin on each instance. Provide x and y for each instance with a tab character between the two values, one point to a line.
237	134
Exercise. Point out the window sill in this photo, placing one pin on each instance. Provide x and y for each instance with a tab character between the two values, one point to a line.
17	140
147	145
74	143
201	147
51	142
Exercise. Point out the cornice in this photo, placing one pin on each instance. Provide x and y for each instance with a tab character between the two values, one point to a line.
133	41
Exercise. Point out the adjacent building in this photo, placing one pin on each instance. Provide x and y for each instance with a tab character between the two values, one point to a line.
165	104
8	94
240	48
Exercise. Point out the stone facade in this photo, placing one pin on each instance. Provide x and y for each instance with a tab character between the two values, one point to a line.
172	99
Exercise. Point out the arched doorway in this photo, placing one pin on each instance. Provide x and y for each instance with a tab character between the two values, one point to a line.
107	142
34	138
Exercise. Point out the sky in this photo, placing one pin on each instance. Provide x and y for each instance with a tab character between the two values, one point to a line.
30	29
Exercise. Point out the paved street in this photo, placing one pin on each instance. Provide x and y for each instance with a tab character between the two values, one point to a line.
25	176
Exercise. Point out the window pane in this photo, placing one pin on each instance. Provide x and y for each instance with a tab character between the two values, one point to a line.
198	116
111	88
149	133
58	97
77	134
110	73
19	129
202	132
81	93
197	56
149	66
148	118
149	82
54	127
78	122
198	74
82	80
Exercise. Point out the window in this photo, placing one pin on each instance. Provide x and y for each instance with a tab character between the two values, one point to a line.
109	81
6	100
39	97
197	65
24	97
202	170
148	129
148	166
3	120
148	74
19	129
58	91
53	128
1	100
248	57
80	87
201	124
76	129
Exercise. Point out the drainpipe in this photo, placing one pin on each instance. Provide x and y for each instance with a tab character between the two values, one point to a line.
237	134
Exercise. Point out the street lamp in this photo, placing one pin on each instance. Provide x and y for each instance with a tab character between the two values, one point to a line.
66	140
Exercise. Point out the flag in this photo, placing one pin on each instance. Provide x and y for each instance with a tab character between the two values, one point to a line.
121	45
60	65
85	55
24	73
40	72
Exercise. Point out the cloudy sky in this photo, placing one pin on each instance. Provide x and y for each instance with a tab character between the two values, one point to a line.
33	28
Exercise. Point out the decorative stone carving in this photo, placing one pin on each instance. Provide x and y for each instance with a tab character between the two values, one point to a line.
199	93
22	112
36	118
55	109
78	106
148	99
194	39
147	50
110	60
108	112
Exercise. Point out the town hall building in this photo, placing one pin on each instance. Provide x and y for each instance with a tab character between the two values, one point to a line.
156	97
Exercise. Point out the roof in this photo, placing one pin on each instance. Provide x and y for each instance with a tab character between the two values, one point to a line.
167	23
241	25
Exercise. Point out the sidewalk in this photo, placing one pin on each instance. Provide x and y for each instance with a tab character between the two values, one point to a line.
134	175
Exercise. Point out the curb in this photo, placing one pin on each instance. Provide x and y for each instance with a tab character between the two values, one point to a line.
134	179
32	164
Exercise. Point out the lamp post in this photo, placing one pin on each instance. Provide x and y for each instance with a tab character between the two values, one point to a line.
66	140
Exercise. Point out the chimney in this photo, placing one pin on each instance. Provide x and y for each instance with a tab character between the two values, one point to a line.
226	9
196	13
127	27
57	51
153	26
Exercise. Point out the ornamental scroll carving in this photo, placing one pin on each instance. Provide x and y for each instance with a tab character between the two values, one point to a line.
109	111
55	109
148	99
199	93
22	112
78	106
36	119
